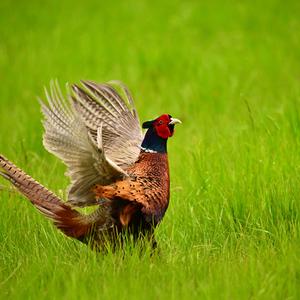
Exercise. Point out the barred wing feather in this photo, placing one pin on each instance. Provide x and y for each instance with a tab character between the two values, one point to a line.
85	133
101	105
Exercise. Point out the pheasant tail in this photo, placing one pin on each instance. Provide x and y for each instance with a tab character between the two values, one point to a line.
68	220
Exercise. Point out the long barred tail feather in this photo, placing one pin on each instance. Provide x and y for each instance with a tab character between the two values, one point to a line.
68	220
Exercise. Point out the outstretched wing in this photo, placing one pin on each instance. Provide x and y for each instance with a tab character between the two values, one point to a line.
100	105
82	133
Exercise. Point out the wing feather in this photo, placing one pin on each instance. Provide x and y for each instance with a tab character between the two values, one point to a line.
94	132
122	135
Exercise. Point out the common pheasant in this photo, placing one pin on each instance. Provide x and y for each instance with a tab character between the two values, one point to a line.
96	132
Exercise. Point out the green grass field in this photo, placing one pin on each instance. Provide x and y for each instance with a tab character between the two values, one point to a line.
230	70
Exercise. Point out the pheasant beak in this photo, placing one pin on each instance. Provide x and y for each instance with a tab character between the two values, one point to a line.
174	121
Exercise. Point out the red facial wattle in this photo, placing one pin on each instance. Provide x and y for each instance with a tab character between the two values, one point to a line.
162	127
163	131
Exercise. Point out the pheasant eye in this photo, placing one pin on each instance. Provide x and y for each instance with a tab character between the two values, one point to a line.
160	122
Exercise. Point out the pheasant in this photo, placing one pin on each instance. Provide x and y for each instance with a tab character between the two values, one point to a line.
96	132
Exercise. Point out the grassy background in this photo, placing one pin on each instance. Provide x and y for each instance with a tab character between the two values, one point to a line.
230	70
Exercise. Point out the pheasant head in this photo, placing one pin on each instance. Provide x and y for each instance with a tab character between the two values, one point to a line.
159	130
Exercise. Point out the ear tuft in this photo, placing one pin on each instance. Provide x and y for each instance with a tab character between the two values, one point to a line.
147	124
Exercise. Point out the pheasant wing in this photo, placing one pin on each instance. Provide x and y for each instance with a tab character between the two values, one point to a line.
101	105
68	136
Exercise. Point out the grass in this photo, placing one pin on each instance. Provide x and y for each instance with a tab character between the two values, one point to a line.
230	71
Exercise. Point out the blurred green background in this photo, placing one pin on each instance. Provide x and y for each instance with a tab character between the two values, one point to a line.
230	70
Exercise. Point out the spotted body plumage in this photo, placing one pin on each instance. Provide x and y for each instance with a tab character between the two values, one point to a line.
147	187
111	165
